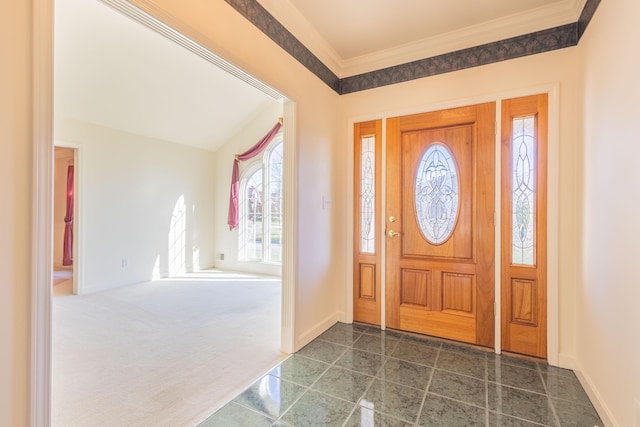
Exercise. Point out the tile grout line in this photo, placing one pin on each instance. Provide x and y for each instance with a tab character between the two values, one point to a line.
453	399
384	361
308	388
486	391
549	401
426	390
232	402
355	406
385	353
376	377
502	385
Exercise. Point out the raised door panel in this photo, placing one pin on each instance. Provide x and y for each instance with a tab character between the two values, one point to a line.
367	283
458	293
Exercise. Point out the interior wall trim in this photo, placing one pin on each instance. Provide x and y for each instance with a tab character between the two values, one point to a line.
515	47
270	26
42	215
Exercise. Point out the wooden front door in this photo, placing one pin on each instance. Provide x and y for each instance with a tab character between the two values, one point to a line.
440	223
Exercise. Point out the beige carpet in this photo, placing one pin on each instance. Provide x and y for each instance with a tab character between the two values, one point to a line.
162	353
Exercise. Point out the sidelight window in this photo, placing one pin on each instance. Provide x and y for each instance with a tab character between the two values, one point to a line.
368	195
523	190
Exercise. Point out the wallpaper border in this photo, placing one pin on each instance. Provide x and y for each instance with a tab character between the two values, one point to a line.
528	44
265	22
585	17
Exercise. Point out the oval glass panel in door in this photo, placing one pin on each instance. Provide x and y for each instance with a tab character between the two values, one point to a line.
437	194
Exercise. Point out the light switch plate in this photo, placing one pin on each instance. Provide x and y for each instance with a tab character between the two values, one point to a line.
326	203
637	421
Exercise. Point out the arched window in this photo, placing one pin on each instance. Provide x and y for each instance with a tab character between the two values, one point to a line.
260	225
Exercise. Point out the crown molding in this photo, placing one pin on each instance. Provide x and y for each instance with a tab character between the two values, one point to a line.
294	21
515	47
544	17
548	16
577	12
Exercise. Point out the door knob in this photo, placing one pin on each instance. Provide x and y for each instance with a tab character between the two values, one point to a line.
392	233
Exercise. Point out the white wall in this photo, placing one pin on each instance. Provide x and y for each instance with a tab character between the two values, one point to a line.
63	158
226	241
130	188
607	323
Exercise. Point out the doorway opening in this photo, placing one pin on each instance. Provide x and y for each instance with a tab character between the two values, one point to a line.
43	294
64	219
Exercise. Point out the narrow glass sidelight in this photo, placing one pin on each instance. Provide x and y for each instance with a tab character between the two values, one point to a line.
436	196
523	171
367	195
367	149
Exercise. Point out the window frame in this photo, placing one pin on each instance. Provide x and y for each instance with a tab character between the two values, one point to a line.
262	164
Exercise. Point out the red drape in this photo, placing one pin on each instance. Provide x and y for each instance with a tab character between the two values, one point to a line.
67	256
232	219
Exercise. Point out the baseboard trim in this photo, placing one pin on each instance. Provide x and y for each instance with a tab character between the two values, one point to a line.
606	415
319	328
566	361
344	317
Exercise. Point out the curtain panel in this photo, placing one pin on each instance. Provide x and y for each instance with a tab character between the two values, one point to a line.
233	217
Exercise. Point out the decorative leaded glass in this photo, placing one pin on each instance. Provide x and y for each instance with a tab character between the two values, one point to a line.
253	217
523	177
275	204
367	195
437	194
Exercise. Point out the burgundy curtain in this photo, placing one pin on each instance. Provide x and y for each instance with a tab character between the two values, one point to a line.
232	219
67	256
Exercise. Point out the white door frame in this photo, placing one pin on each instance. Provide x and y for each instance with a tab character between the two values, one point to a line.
553	90
42	215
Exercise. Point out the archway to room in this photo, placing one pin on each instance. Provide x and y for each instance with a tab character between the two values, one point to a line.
113	159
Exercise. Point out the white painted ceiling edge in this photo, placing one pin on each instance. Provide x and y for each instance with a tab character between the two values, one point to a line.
148	79
457	34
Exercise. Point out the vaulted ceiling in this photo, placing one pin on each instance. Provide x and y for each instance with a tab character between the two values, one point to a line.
115	72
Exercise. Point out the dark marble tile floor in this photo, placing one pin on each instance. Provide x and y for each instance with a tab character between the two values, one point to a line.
356	375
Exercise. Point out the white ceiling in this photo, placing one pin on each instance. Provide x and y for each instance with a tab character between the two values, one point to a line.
114	72
356	36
